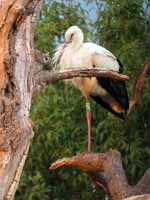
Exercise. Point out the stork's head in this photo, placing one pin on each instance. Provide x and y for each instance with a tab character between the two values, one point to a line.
74	37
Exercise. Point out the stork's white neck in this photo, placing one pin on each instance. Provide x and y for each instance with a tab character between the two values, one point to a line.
77	41
74	37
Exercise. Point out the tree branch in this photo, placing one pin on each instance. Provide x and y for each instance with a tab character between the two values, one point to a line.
138	85
44	77
51	76
107	172
105	169
139	197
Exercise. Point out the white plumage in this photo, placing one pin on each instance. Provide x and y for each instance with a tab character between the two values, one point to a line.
95	55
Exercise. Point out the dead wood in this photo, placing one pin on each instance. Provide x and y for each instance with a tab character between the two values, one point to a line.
52	76
17	23
139	197
138	85
106	171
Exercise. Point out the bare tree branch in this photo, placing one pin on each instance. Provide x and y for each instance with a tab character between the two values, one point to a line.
105	169
139	197
138	86
44	77
107	172
51	76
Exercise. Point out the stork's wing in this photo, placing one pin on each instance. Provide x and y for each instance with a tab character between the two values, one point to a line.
107	106
97	49
101	57
116	89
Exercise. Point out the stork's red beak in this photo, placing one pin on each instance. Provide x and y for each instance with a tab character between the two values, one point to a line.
59	58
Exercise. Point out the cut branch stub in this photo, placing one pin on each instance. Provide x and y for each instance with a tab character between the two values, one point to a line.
89	161
106	171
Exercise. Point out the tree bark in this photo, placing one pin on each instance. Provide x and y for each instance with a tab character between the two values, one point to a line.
17	23
139	197
21	73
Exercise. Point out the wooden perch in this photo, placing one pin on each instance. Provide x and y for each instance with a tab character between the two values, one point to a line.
49	76
106	171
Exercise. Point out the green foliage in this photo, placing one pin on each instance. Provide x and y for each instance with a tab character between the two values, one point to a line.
123	27
59	110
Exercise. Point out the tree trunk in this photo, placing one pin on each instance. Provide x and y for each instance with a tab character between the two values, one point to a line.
17	22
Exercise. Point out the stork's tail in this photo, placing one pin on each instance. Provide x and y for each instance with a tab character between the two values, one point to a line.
113	108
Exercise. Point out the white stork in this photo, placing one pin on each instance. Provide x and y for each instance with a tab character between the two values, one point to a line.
111	94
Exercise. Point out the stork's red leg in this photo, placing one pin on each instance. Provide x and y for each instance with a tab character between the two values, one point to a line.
88	117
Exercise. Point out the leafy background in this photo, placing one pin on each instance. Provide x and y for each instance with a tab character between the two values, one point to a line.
58	112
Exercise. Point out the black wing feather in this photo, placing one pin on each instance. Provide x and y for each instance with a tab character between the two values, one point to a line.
116	88
121	66
100	101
